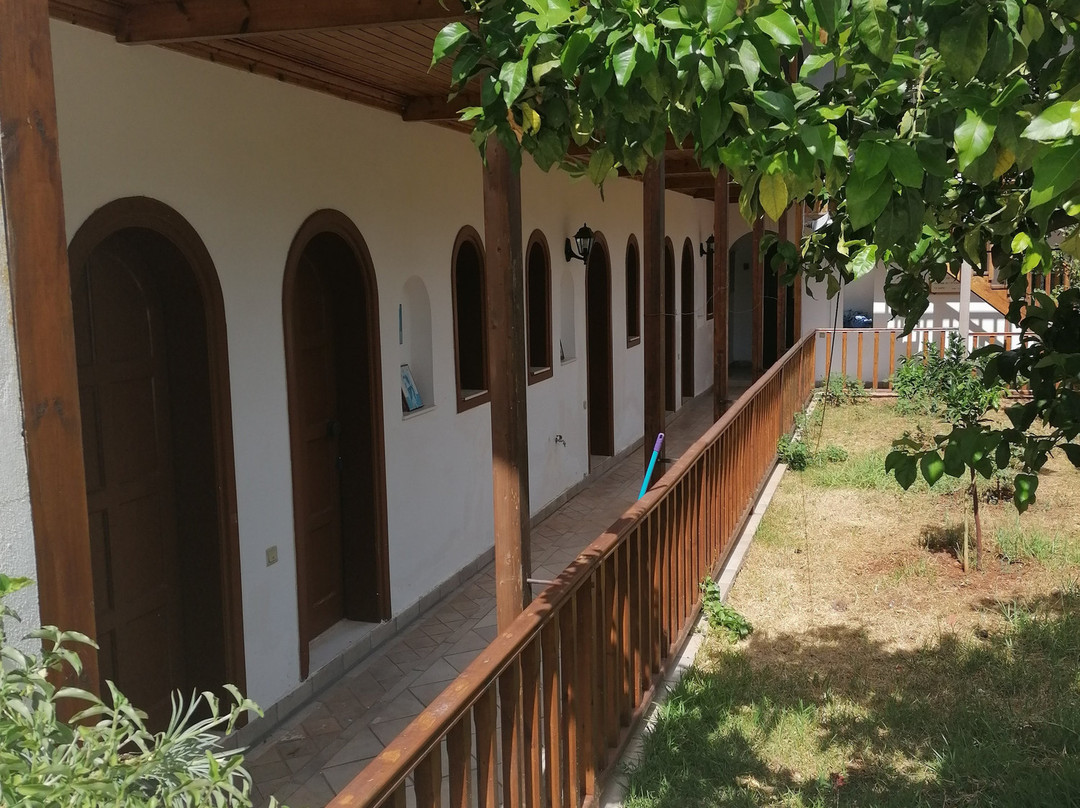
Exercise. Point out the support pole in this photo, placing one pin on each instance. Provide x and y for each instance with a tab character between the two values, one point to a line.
781	290
719	294
505	295
33	230
757	319
965	304
800	213
653	267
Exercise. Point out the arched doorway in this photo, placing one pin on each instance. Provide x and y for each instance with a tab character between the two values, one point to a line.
598	349
740	302
687	320
157	445
670	390
332	357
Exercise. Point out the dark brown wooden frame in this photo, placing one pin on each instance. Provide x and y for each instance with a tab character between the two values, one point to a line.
468	233
150	214
633	293
686	318
609	438
337	223
671	329
537	239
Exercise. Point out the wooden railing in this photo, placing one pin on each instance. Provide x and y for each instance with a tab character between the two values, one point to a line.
541	715
872	354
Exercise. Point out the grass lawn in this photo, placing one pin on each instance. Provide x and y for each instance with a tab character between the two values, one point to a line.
878	673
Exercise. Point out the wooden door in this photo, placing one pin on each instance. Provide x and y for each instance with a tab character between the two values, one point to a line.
598	352
670	390
688	321
319	464
124	392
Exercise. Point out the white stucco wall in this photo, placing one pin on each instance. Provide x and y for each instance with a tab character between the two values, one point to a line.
245	160
16	532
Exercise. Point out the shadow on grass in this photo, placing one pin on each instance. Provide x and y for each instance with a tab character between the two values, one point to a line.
966	722
944	539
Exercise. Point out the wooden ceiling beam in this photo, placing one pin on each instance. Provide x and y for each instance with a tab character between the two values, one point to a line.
702	180
436	108
162	22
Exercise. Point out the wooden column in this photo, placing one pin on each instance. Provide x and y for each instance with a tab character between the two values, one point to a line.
505	294
652	248
33	229
757	319
719	294
800	213
781	290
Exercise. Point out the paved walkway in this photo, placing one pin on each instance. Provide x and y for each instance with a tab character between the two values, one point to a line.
321	748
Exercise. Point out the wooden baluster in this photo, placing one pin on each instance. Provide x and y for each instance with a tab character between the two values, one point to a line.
609	621
858	362
626	644
589	730
427	780
892	359
828	356
1008	342
487	762
843	352
941	345
530	711
554	727
397	798
459	761
637	616
656	609
510	722
572	697
877	354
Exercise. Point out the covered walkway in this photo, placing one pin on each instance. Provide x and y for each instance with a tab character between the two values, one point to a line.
322	747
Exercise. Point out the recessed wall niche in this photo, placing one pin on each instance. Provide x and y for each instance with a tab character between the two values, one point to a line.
414	336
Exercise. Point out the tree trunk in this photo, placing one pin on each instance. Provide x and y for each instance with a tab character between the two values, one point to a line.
978	524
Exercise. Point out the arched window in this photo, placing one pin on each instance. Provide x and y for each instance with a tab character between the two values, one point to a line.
538	307
633	293
470	320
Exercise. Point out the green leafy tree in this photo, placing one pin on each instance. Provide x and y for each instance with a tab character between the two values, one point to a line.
930	130
952	386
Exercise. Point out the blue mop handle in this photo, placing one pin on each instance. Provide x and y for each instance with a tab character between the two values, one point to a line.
652	463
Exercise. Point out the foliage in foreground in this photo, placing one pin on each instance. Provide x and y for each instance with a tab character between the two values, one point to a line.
105	756
721	616
963	722
929	130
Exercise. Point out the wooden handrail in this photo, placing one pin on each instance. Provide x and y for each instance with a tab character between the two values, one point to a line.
617	610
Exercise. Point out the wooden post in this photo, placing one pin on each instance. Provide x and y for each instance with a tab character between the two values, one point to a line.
800	213
719	294
757	319
33	229
781	291
652	244
505	294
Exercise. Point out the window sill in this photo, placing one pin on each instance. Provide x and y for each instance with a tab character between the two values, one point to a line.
633	341
408	416
467	399
539	374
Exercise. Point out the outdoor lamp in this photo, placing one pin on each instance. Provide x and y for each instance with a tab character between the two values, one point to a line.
584	240
709	247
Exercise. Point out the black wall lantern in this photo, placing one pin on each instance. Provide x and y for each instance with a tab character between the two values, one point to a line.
709	247
583	238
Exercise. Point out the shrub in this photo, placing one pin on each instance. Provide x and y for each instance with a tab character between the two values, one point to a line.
843	389
793	452
105	755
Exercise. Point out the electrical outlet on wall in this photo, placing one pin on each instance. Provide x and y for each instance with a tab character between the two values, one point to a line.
271	555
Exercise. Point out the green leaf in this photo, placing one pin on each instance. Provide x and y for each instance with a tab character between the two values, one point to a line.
903	466
1024	488
905	165
828	12
1056	171
693	10
749	62
876	27
776	104
963	42
871	157
773	194
719	13
671	18
624	60
512	76
780	27
1072	451
711	116
863	262
1033	24
1055	122
813	63
447	39
863	212
974	135
601	164
932	467
572	51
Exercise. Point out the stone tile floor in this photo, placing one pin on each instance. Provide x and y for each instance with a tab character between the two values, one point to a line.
305	762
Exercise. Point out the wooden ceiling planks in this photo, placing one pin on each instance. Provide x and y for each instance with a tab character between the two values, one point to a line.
385	62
